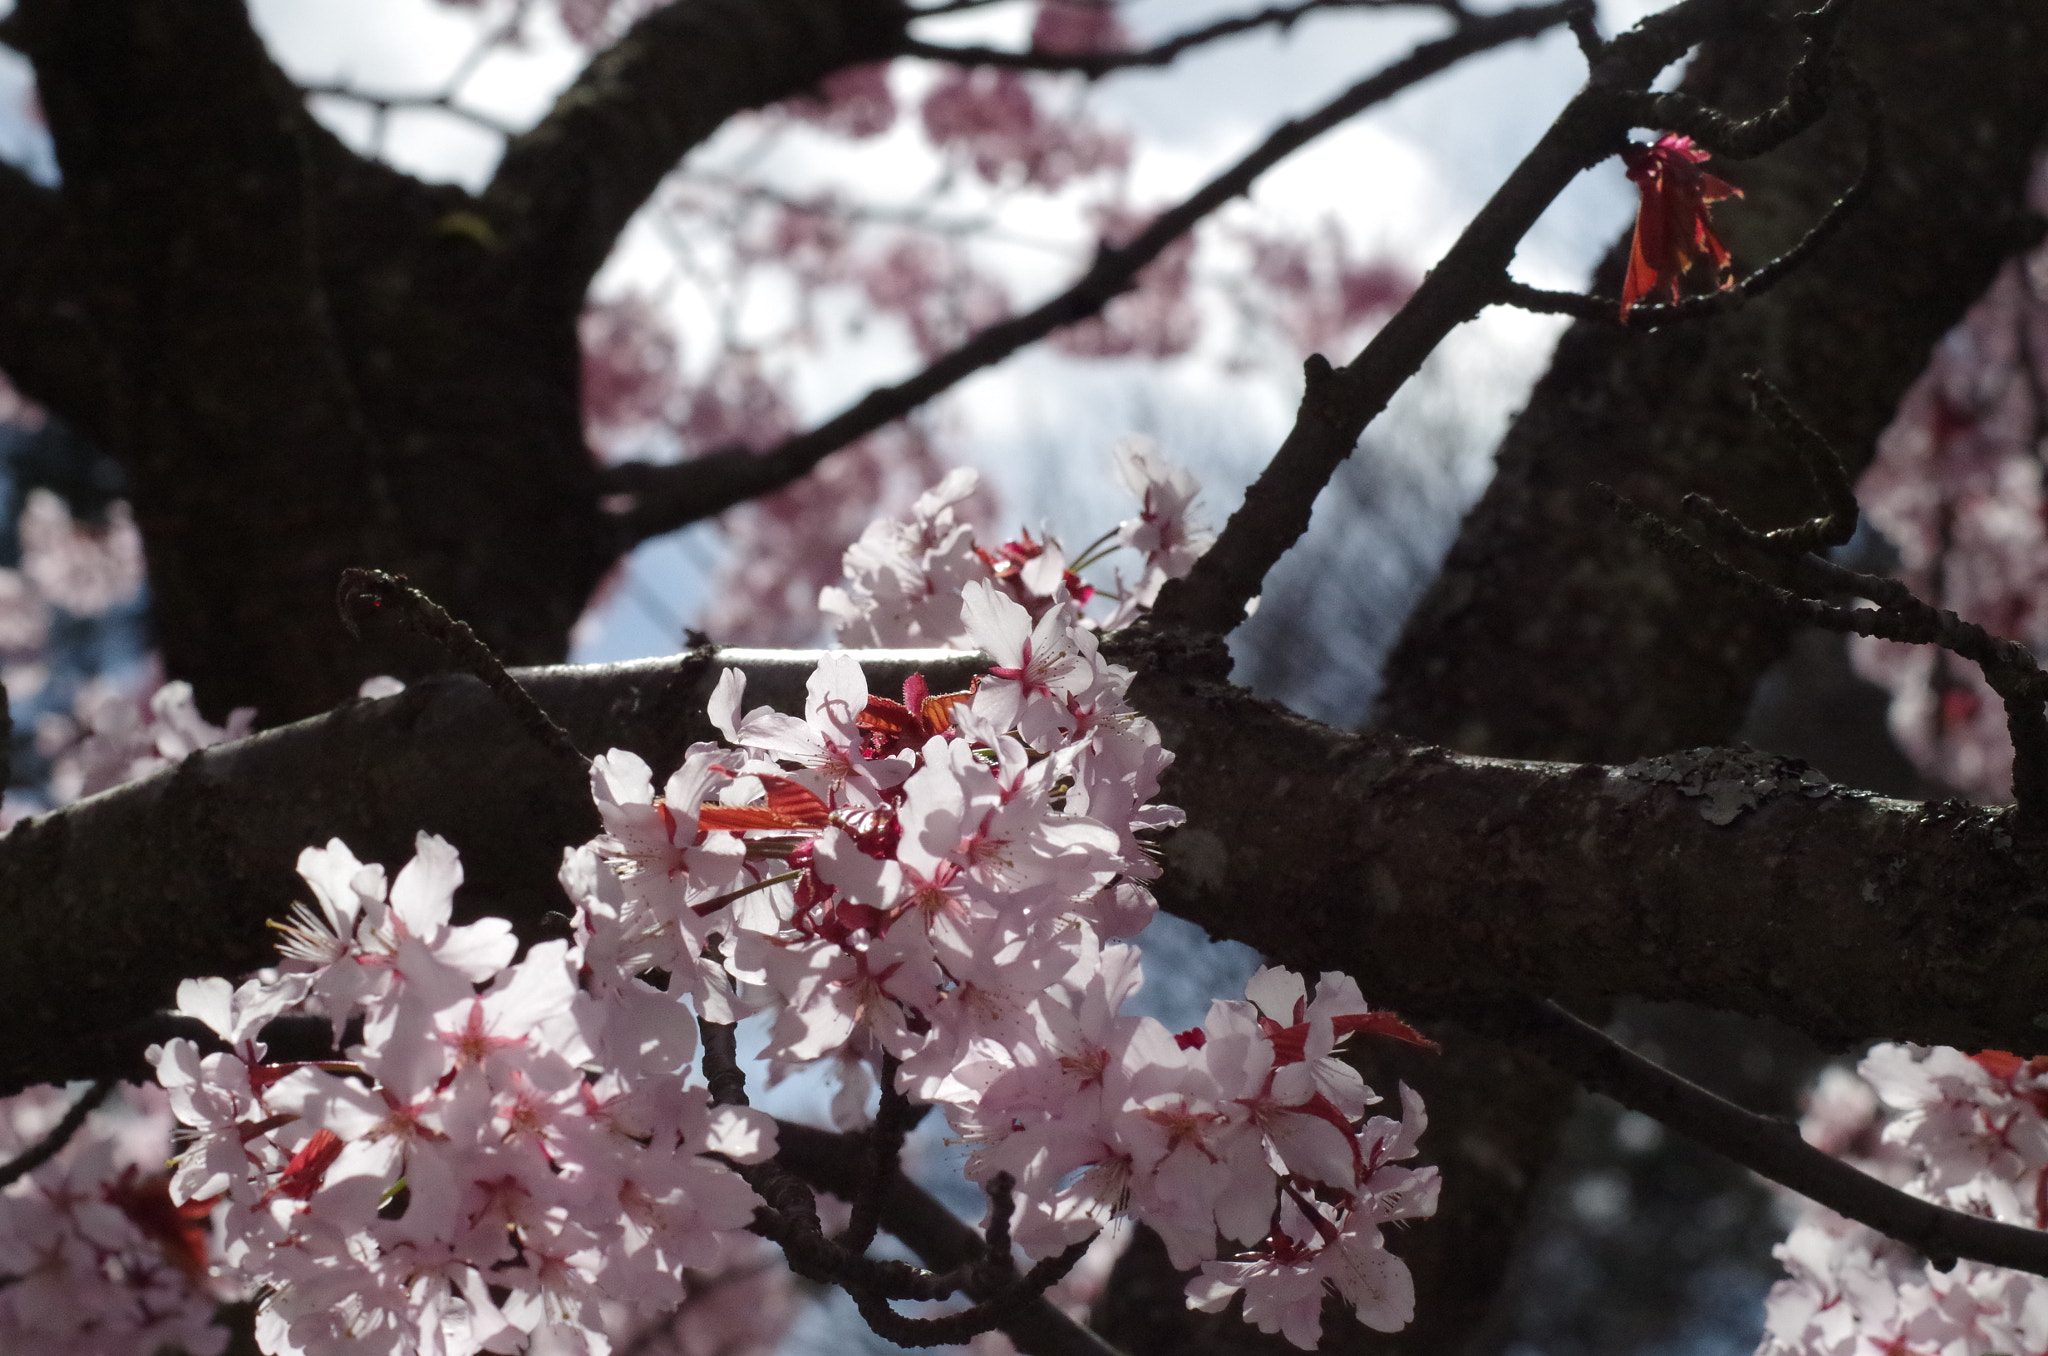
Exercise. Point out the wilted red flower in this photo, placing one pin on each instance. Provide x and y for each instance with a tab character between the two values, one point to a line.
1673	232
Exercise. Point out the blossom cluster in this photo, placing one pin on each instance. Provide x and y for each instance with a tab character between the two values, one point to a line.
1963	1131
904	577
927	897
933	888
113	738
1956	487
95	1259
69	569
506	1148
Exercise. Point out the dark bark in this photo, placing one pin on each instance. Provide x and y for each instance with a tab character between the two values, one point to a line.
306	361
1440	880
1554	633
831	1162
46	341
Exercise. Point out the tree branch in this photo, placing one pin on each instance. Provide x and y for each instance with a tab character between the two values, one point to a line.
1582	306
567	187
1162	53
52	1144
1727	878
1767	1146
653	499
833	1163
1338	403
382	104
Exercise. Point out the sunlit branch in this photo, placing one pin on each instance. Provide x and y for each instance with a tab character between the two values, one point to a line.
1575	882
654	499
364	593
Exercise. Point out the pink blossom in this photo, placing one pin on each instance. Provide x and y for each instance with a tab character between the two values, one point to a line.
84	569
992	120
1073	26
510	1154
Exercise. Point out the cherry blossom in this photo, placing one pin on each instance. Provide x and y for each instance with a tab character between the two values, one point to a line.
1964	1131
113	737
99	1260
511	1152
909	581
81	568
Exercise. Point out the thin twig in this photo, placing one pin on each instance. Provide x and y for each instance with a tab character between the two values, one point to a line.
986	1316
2009	668
363	591
52	1144
1163	53
1807	90
788	1215
883	1142
1586	306
662	498
936	1235
1771	1147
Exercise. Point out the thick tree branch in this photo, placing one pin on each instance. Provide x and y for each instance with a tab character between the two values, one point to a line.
1338	403
1767	1146
567	187
1725	878
655	499
1162	53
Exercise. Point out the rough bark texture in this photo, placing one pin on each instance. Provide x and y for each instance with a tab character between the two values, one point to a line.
1438	879
306	361
1553	633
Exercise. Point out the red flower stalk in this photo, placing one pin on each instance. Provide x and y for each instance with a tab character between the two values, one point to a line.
1673	230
